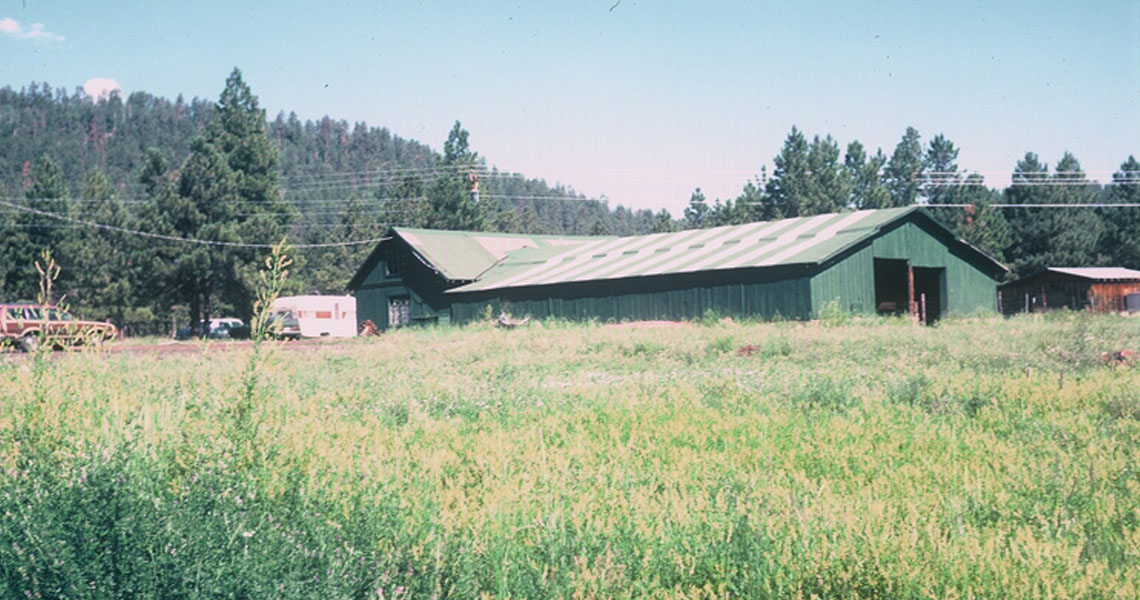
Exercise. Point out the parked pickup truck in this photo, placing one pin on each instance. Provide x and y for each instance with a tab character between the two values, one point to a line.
26	325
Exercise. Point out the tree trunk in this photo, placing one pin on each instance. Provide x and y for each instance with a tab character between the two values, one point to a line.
206	309
195	311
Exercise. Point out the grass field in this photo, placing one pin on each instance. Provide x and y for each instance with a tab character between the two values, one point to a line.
983	458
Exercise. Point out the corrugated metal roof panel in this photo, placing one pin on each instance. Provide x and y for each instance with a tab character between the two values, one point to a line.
1098	272
464	255
789	241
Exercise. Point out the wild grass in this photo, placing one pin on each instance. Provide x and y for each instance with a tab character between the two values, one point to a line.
858	458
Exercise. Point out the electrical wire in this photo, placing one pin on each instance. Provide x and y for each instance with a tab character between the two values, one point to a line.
172	238
1043	205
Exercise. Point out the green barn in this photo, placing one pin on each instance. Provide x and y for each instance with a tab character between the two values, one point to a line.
887	261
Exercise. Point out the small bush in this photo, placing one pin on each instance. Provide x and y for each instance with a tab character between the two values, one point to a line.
823	392
775	346
911	390
721	345
710	318
833	315
1123	406
644	349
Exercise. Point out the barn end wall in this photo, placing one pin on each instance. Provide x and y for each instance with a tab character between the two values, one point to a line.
423	287
766	293
968	285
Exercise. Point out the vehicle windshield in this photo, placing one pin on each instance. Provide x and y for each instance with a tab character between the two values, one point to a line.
285	316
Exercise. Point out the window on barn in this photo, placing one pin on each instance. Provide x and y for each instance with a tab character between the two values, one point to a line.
395	262
399	311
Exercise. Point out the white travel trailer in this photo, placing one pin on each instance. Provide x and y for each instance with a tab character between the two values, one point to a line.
315	316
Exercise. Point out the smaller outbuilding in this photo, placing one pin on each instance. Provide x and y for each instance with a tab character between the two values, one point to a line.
1098	289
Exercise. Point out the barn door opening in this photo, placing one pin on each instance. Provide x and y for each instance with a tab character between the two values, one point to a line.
892	286
929	286
399	311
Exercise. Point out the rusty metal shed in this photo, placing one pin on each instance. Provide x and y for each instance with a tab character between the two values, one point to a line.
1099	289
888	261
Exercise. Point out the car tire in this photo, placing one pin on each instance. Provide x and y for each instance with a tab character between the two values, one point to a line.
30	343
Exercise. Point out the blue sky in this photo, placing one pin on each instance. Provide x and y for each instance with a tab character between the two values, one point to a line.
641	101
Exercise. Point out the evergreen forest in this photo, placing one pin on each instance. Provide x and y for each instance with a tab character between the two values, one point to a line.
158	209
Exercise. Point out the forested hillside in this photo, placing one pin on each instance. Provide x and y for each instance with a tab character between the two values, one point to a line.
85	177
157	208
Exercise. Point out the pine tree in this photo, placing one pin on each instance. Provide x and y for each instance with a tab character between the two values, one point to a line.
903	173
941	179
450	194
980	224
107	262
786	191
1120	245
866	177
697	212
403	203
751	202
828	185
34	229
663	222
227	193
1051	237
335	264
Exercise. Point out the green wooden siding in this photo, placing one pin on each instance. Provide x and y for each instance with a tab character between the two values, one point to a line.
420	284
969	285
766	293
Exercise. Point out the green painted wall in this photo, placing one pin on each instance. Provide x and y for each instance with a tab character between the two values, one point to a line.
423	286
768	293
969	284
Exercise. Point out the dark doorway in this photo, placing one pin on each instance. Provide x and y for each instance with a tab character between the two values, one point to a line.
892	286
928	290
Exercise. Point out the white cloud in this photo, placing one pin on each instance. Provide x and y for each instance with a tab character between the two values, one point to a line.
98	87
12	28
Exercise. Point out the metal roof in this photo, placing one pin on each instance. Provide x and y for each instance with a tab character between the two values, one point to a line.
1102	273
465	255
769	243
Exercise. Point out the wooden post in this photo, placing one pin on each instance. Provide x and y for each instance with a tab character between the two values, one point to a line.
1044	301
910	304
922	315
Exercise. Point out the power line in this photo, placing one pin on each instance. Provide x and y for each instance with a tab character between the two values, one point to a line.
172	238
364	201
1031	183
1044	205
